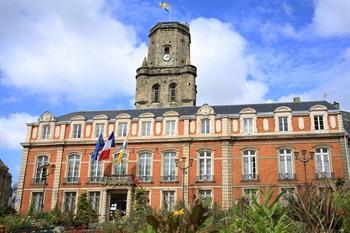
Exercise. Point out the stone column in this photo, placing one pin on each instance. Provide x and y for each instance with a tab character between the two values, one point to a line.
226	175
21	179
129	201
57	176
186	152
104	204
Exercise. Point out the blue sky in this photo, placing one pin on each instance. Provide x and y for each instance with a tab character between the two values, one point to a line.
64	56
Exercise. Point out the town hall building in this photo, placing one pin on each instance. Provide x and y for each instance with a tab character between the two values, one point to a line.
231	151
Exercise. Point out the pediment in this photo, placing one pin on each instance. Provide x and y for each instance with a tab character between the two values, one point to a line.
47	116
318	108
205	110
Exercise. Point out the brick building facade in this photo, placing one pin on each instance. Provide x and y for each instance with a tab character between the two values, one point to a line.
234	150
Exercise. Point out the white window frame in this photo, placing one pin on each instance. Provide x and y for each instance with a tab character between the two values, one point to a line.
166	198
36	200
252	158
75	131
72	204
73	176
171	175
321	153
122	129
96	168
170	127
319	119
95	201
283	121
39	170
205	125
142	174
118	168
248	128
251	193
203	175
283	153
146	128
46	132
99	129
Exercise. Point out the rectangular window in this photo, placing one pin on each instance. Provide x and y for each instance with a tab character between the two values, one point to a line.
37	201
69	202
283	124
122	129
323	169
95	201
169	200
205	195
99	128
248	125
96	170
286	168
144	171
45	132
76	131
251	194
169	167
249	160
205	126
41	170
146	128
170	127
318	122
205	163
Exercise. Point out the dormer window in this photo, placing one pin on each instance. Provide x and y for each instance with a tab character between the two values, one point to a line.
45	132
155	92
318	122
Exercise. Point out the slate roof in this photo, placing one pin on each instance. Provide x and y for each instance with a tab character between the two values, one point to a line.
346	121
191	111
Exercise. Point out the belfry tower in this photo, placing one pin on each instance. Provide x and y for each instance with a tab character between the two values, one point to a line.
166	77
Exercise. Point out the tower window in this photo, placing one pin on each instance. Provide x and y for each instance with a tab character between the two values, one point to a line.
155	91
172	92
166	50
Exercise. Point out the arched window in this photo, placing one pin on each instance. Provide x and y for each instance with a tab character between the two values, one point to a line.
169	167
155	93
172	92
323	167
73	169
144	171
286	164
205	166
41	170
95	170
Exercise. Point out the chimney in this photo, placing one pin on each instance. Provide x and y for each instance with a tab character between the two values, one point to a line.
296	99
336	105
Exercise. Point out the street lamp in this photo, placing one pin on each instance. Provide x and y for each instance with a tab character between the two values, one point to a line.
304	159
49	169
184	169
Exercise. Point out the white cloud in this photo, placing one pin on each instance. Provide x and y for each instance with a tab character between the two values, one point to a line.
13	129
219	53
332	18
65	50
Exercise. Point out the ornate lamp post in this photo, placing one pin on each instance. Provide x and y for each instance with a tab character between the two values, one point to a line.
304	159
46	170
184	169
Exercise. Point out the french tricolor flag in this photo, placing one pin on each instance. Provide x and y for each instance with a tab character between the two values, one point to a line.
106	151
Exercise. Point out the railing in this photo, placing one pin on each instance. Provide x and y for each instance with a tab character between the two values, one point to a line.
118	180
205	178
146	179
286	176
72	180
39	180
323	175
96	179
250	177
168	178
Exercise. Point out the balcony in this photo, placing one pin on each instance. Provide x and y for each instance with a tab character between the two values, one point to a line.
250	177
39	180
169	179
95	179
286	176
145	179
72	180
118	180
205	178
324	175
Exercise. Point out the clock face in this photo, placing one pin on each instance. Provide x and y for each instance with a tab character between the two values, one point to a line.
166	57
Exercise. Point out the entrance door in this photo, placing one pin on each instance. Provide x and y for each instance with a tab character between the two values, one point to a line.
117	205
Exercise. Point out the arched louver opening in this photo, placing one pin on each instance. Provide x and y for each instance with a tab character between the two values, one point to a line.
172	92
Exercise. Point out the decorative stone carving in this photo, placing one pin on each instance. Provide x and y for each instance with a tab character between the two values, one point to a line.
205	110
235	125
333	122
218	125
266	124
47	116
134	129
57	131
158	127
301	123
192	127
